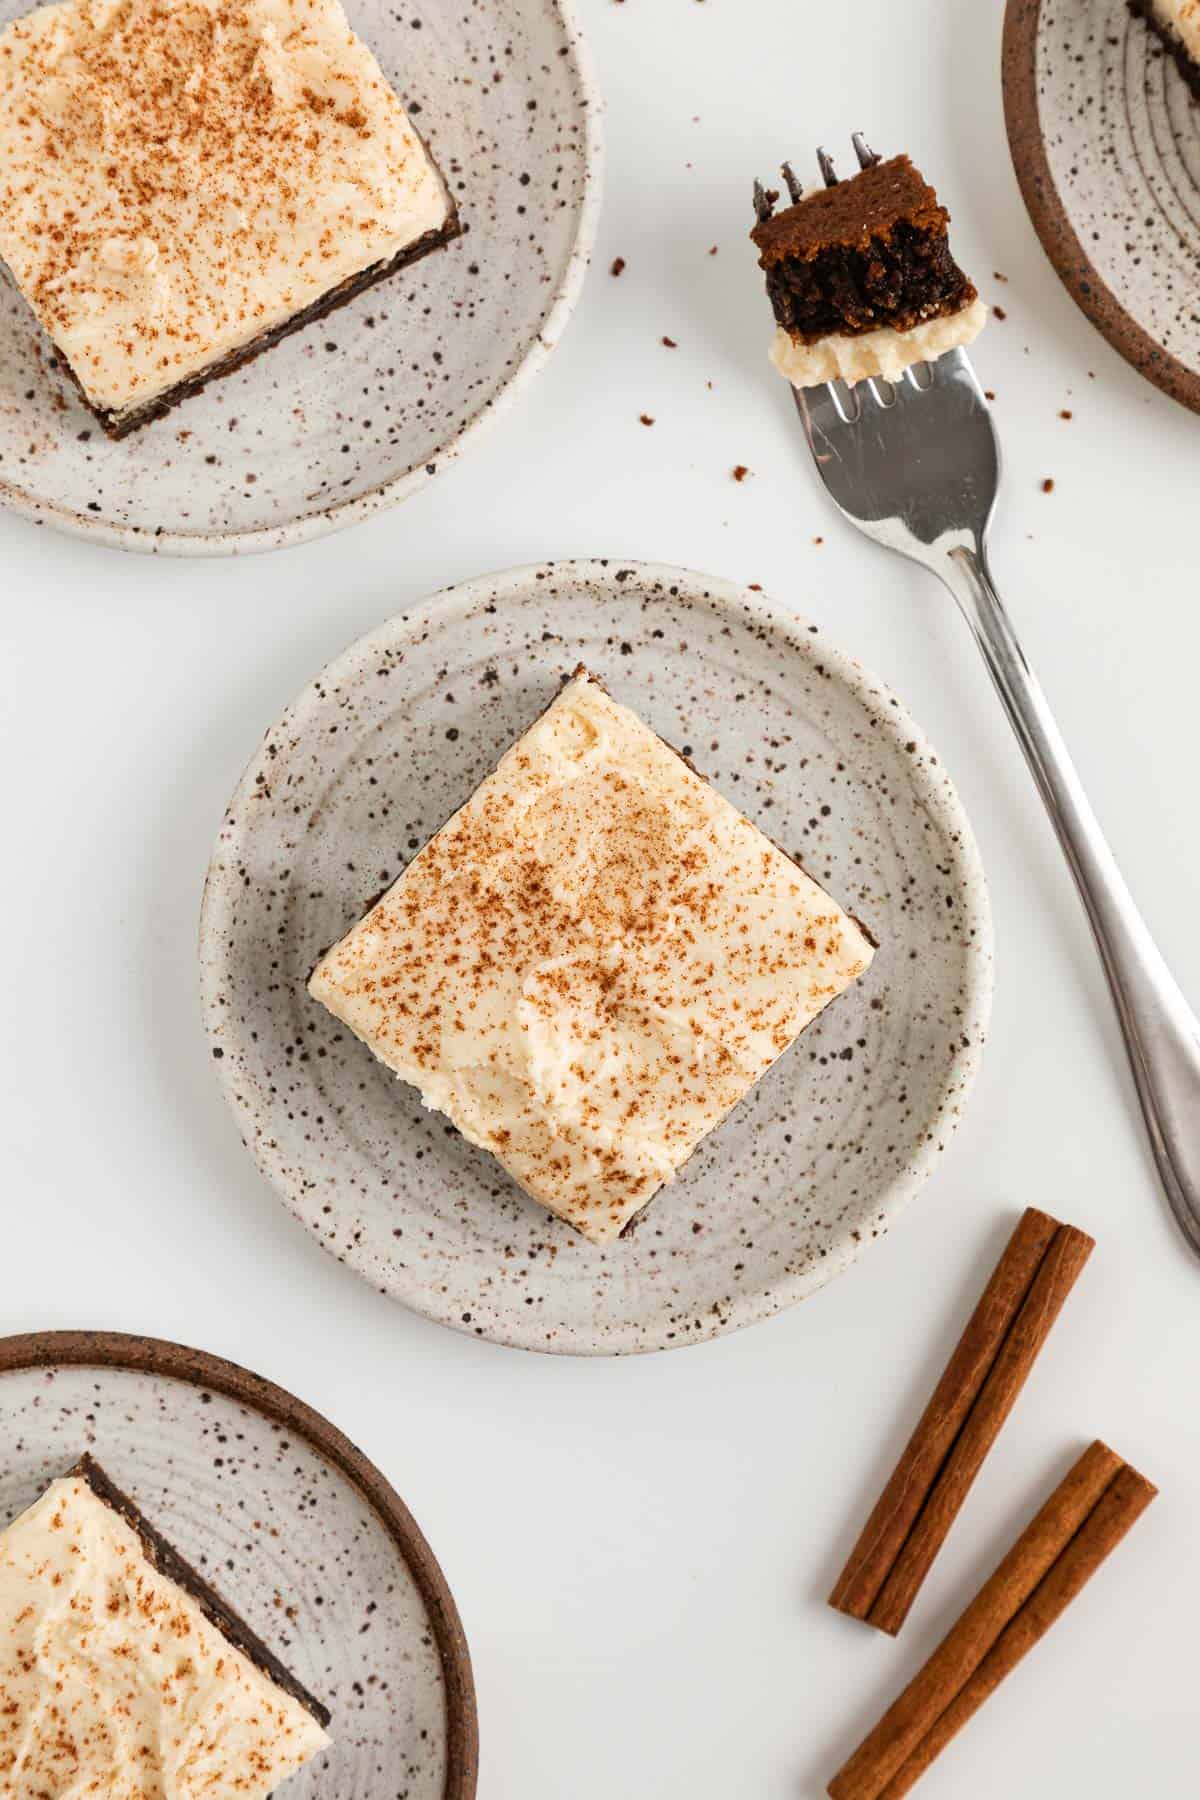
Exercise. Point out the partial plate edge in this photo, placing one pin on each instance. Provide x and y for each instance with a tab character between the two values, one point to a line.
1048	215
176	1362
400	487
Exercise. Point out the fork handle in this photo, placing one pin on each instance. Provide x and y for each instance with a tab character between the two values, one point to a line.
1161	1032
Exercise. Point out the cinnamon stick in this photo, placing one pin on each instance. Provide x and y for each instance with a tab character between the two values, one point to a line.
975	1395
1060	1267
1067	1540
895	1514
1126	1498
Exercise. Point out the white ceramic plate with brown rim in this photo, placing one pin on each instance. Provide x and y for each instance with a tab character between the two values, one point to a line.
296	1530
356	411
375	755
1105	139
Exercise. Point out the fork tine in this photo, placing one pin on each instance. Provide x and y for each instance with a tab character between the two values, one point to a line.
764	206
828	172
867	158
828	423
908	472
795	190
847	401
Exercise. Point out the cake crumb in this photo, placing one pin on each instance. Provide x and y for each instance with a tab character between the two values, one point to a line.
618	266
1066	413
818	540
998	312
713	251
740	472
989	393
997	276
1048	485
670	344
646	419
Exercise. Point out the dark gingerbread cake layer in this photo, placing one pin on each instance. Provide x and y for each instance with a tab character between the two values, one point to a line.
1189	68
851	213
167	1560
868	253
120	424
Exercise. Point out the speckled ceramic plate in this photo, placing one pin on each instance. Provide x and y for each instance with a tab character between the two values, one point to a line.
1105	138
375	755
295	1528
356	411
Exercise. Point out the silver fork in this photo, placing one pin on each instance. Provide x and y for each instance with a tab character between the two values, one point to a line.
915	464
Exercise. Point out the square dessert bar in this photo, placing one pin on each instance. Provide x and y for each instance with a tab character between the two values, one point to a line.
861	279
183	182
592	962
121	1671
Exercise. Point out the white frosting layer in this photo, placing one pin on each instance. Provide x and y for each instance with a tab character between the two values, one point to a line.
1182	19
887	353
178	177
112	1681
591	962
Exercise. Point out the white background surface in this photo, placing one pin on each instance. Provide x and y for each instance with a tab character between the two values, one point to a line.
640	1548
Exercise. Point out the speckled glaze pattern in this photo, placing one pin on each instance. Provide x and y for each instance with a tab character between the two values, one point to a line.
291	1524
1105	139
370	761
355	411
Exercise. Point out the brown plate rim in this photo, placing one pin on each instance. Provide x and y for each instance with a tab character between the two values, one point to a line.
1018	79
158	1356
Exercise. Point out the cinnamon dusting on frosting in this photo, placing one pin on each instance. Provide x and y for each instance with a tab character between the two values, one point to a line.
178	177
112	1680
592	962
